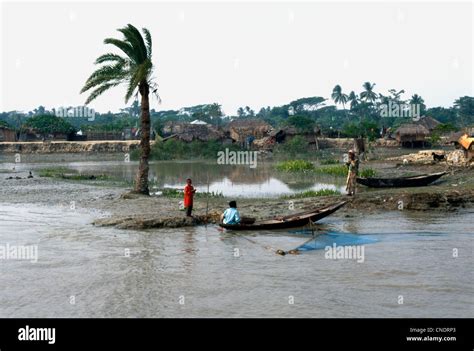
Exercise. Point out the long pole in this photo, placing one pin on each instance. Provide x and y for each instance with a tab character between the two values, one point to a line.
207	198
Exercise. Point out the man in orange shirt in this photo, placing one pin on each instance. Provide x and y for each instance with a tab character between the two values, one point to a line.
188	197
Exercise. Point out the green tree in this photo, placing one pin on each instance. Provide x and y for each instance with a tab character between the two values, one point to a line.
353	100
47	124
464	107
302	123
396	95
240	112
134	69
418	100
368	95
339	97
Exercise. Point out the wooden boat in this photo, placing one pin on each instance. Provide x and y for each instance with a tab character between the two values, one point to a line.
291	221
419	180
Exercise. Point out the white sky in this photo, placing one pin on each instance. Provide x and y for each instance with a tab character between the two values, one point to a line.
239	54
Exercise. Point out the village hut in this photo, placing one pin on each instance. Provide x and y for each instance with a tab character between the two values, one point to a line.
453	138
411	134
7	134
429	123
188	132
243	130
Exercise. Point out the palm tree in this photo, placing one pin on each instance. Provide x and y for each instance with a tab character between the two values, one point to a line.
416	99
368	94
134	69
353	99
240	112
339	97
396	95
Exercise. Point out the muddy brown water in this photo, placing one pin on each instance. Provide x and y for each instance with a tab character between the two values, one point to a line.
416	264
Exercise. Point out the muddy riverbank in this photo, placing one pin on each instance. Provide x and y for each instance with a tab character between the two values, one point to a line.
112	205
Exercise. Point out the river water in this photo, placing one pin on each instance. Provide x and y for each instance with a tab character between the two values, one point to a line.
86	271
415	264
233	181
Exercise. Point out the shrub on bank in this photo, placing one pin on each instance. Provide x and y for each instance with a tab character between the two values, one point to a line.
295	166
338	170
312	193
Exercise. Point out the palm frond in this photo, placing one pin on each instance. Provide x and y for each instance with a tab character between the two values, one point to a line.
102	88
133	36
109	57
148	42
126	47
105	74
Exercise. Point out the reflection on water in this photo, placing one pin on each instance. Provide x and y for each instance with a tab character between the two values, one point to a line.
405	254
236	181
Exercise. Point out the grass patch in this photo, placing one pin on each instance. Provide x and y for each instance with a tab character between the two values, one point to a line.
54	172
341	171
65	173
367	173
295	166
329	161
334	170
178	194
312	193
337	170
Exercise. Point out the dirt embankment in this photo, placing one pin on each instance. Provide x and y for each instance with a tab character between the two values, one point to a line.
112	146
141	212
453	191
70	147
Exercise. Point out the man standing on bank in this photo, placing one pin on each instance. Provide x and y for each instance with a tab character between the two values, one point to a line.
188	197
353	171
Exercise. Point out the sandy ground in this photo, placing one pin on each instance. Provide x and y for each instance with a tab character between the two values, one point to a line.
115	206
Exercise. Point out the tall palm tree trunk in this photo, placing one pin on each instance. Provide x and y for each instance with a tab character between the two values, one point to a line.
141	184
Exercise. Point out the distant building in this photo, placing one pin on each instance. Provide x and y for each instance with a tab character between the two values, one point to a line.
188	132
198	121
429	123
240	130
411	134
7	134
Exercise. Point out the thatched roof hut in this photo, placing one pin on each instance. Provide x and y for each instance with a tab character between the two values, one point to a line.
411	133
7	134
466	142
189	132
429	123
240	129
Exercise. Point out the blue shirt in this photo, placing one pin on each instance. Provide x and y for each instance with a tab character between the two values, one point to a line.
231	216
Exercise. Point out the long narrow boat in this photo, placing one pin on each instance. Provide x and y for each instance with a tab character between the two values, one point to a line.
292	221
419	180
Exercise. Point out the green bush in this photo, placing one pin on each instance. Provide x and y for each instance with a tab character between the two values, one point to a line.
295	146
367	173
49	124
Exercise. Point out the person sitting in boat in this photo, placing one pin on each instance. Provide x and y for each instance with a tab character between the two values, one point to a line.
231	215
353	170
